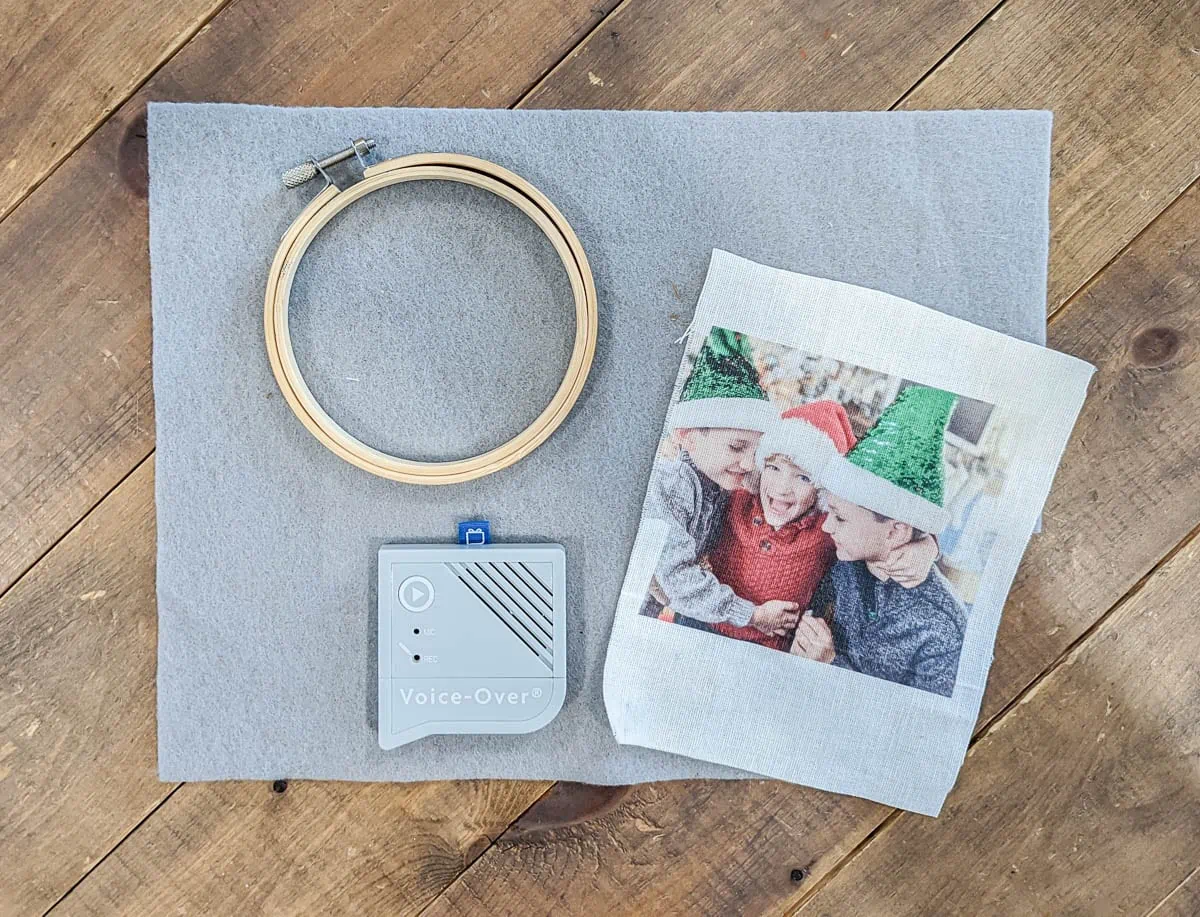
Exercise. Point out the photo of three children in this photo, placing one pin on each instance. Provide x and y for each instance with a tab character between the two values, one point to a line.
789	529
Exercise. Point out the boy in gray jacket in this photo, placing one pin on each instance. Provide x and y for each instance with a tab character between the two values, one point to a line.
911	636
721	414
887	491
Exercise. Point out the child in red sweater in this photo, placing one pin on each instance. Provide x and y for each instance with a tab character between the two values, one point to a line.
772	546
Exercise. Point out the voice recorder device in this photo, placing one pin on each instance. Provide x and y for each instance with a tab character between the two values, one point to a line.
472	639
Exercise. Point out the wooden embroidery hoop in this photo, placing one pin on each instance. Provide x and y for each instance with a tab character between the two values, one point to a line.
455	167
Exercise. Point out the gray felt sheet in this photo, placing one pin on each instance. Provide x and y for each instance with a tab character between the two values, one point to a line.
433	321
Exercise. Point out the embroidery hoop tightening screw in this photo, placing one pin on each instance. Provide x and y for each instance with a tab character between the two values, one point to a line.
303	172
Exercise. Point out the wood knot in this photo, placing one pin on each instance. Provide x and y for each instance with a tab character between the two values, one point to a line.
1155	346
475	850
132	159
566	804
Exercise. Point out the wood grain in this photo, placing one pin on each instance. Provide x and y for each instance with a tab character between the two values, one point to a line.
1104	531
66	439
76	757
1126	495
124	331
76	412
687	848
1129	484
1085	799
77	188
1123	81
316	848
329	848
72	439
1184	900
67	65
754	54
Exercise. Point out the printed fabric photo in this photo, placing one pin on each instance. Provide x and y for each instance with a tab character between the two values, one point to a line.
843	488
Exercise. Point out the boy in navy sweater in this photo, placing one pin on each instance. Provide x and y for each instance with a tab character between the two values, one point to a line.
884	493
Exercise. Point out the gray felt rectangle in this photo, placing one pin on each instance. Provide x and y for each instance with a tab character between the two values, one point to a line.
433	321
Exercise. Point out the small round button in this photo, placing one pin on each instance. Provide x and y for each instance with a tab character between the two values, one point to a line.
416	593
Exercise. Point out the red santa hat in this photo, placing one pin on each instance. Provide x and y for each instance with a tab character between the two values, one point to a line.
809	435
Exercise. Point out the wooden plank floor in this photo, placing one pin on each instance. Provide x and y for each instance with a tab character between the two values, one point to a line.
1081	792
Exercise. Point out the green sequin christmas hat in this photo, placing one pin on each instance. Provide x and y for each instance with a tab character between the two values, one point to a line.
722	389
897	468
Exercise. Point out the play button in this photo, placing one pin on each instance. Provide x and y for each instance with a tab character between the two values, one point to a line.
416	593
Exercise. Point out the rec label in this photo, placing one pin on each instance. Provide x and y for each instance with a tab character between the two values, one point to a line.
482	696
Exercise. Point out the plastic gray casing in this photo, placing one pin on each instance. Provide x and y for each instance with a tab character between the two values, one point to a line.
488	624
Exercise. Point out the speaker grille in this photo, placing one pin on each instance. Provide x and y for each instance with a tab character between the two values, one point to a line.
519	598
